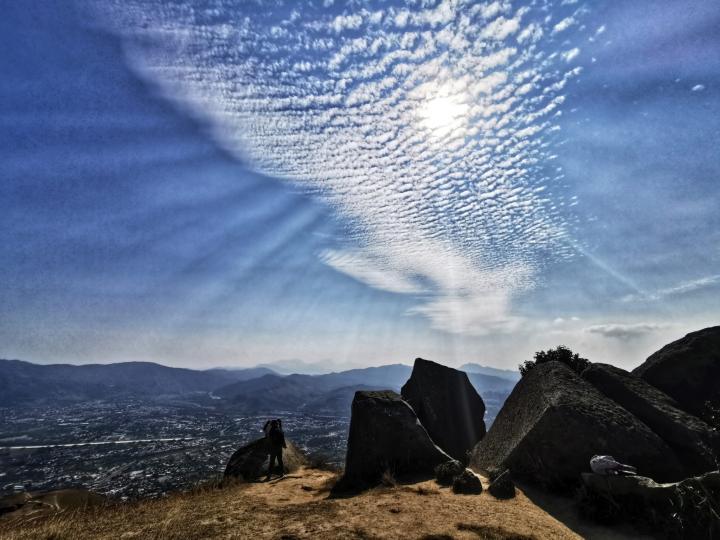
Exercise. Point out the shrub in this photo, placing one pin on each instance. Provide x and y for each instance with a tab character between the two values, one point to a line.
388	479
560	354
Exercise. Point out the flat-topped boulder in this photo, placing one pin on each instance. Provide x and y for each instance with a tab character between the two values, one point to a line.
251	461
694	442
386	435
688	370
688	509
447	405
553	422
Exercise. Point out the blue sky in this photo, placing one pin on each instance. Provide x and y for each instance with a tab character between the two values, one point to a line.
229	183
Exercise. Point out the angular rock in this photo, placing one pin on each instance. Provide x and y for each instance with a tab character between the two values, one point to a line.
385	434
447	405
446	472
503	486
553	422
467	483
688	370
694	442
689	509
623	486
251	461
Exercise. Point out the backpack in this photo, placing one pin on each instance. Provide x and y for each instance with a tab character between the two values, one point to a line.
277	437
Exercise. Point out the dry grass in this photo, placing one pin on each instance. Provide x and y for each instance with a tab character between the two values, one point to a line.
299	507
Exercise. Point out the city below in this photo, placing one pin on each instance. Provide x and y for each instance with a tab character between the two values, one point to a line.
140	449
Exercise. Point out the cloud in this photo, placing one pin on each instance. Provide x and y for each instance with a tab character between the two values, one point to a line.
500	28
346	22
698	88
358	108
688	287
624	332
571	54
563	25
680	289
372	271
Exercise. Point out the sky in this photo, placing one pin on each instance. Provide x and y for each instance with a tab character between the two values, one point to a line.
227	183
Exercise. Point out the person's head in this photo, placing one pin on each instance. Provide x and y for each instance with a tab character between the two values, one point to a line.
273	423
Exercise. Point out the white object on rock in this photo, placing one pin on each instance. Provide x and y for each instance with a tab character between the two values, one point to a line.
609	465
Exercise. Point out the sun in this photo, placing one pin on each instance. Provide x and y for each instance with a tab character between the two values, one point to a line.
443	114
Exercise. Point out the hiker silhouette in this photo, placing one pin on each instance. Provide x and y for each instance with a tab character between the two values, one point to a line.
276	443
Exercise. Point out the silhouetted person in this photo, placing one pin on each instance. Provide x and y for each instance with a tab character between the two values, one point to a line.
276	442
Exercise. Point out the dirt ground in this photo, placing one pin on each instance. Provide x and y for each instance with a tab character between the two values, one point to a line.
301	506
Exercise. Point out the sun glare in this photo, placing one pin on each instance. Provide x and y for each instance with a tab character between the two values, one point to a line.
442	115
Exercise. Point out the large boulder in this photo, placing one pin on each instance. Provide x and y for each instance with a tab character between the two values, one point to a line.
688	370
251	461
447	405
688	509
694	442
553	422
385	434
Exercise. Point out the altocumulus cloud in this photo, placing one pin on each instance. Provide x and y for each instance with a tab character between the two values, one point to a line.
350	101
625	331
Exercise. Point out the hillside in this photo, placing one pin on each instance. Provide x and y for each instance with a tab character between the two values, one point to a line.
510	374
24	382
256	389
300	506
317	392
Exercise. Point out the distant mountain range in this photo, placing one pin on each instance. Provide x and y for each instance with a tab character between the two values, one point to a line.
257	389
24	382
290	367
294	366
510	374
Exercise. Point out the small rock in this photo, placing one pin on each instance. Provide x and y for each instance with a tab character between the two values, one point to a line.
446	472
250	461
467	483
502	487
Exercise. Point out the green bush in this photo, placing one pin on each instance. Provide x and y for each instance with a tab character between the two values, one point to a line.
560	354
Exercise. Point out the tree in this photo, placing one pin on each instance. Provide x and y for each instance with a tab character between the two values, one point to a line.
560	354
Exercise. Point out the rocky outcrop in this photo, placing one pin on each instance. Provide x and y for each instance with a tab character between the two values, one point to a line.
688	509
447	405
385	434
467	483
251	461
695	444
554	422
688	370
